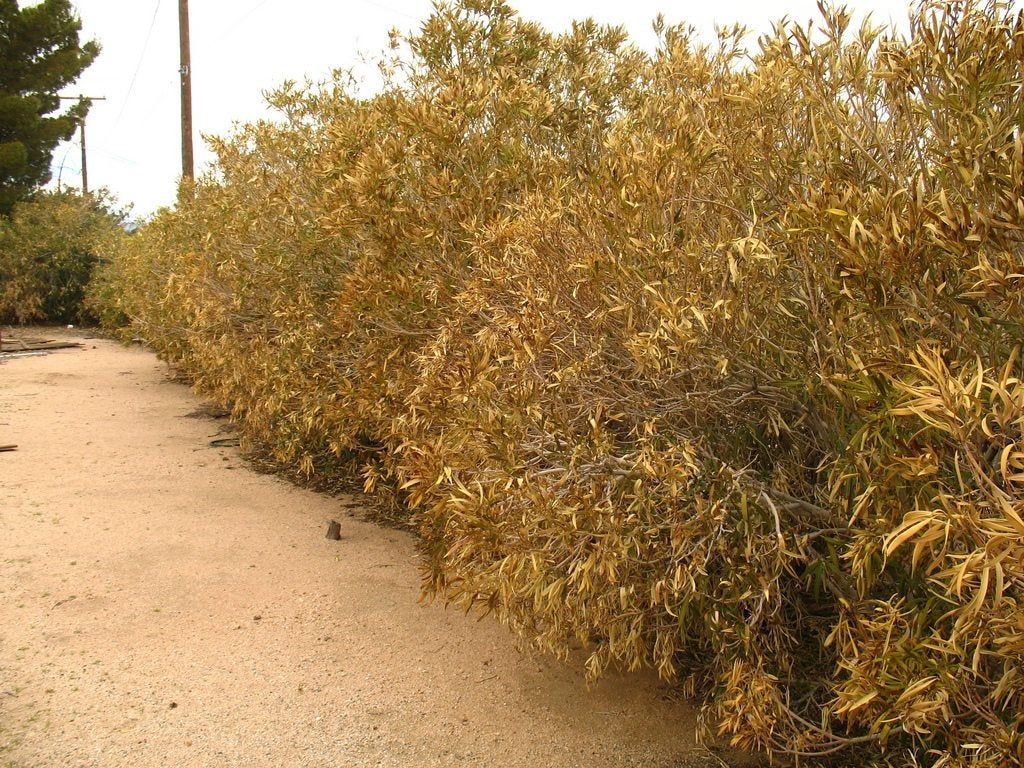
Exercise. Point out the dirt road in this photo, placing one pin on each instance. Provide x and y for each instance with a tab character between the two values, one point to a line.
163	605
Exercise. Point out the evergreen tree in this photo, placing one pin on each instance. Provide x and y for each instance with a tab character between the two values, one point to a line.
40	53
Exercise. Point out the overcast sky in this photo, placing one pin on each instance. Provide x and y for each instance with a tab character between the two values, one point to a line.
242	47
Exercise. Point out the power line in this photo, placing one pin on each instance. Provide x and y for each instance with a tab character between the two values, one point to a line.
138	66
154	105
238	21
117	158
81	128
60	172
389	8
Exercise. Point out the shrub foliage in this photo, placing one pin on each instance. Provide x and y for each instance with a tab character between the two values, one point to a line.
706	359
48	249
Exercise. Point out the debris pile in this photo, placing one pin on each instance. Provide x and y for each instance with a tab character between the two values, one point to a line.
11	346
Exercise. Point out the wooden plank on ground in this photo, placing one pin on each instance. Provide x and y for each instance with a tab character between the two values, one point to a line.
33	345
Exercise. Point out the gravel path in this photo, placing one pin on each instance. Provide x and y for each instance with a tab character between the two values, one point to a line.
163	605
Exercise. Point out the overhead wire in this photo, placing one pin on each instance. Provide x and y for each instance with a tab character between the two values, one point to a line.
384	7
138	66
238	21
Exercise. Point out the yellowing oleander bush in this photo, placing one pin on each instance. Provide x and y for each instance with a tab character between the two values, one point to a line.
48	250
707	360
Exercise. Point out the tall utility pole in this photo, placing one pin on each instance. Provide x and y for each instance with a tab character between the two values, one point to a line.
81	133
186	91
85	161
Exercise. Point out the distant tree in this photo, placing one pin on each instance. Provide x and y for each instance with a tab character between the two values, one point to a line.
49	247
40	53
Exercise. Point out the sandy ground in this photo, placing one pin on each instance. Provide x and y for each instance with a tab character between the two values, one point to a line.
163	605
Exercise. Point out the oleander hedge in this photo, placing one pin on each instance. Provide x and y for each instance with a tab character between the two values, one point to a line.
707	359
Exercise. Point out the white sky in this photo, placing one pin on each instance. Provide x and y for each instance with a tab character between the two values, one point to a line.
242	47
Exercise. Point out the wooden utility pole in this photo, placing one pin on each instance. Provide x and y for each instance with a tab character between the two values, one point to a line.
81	133
186	91
85	162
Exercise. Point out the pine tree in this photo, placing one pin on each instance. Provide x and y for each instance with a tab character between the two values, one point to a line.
40	53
